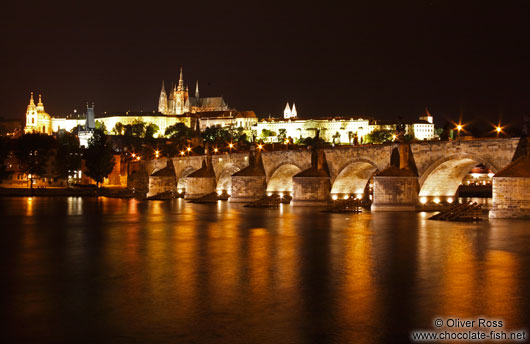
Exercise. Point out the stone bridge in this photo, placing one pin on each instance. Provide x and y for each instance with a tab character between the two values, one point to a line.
439	166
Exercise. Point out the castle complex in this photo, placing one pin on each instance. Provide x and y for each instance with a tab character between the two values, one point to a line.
180	107
180	102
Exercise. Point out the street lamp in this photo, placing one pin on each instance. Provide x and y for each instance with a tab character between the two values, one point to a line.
260	146
189	150
231	145
157	154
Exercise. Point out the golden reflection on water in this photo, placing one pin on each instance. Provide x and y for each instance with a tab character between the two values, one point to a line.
223	260
29	206
459	276
358	291
259	263
501	291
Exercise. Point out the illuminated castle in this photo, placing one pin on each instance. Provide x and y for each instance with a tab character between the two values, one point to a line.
180	102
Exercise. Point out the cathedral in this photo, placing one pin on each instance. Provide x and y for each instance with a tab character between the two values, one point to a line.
180	102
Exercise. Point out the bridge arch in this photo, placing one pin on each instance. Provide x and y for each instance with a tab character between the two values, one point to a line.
353	176
224	178
181	180
443	176
281	180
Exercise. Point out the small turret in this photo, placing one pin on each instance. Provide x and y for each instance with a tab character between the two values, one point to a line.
197	89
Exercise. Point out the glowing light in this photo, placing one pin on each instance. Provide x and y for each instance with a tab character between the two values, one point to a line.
459	127
499	129
475	175
346	196
394	137
157	153
231	145
269	194
138	158
280	194
215	150
491	174
189	149
437	200
334	197
359	195
450	200
219	192
182	152
423	200
133	155
260	146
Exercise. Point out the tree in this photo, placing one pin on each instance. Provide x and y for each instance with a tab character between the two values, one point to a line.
378	136
216	135
33	152
100	125
180	132
118	129
138	128
282	135
68	159
98	156
150	130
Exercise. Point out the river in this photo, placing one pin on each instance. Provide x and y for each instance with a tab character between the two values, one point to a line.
127	271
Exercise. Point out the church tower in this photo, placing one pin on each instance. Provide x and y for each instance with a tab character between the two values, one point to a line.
37	120
287	111
181	96
293	111
162	102
197	89
171	102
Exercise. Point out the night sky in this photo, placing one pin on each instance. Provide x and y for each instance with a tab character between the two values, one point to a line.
380	58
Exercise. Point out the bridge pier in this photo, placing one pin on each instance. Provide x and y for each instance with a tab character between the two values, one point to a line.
249	184
397	188
312	186
395	193
201	182
511	191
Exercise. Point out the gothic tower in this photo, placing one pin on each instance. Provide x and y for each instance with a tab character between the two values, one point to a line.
181	96
162	102
287	111
197	90
171	102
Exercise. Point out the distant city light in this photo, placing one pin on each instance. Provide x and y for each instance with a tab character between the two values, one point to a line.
423	200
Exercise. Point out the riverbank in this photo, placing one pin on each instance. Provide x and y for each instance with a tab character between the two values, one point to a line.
70	192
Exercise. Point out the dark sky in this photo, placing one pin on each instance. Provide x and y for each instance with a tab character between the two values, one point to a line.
383	58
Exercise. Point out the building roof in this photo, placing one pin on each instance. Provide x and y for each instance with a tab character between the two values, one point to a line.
165	172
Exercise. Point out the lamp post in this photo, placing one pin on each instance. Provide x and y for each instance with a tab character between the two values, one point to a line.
458	128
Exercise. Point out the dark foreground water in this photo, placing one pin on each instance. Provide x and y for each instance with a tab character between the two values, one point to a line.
112	271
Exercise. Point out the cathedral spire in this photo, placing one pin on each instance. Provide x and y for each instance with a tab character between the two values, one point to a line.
293	111
31	101
181	81
197	89
162	101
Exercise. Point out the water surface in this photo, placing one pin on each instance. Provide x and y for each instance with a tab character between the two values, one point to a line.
118	270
